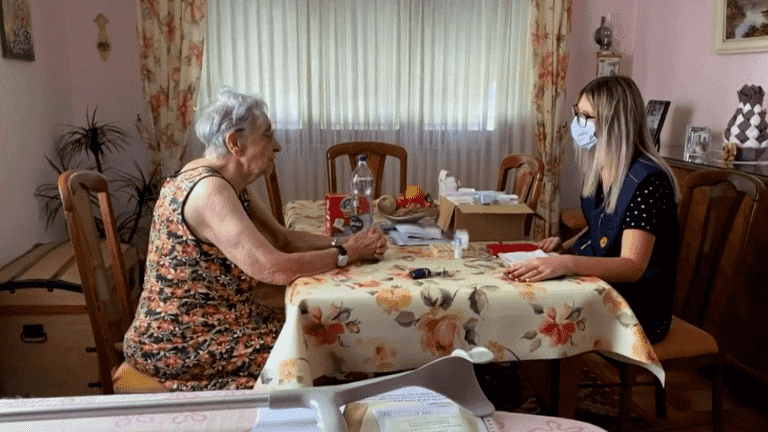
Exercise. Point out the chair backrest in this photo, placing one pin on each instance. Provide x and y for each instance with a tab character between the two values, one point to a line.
528	180
273	190
106	292
377	153
714	240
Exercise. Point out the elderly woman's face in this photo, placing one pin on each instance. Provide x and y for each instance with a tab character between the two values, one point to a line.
260	147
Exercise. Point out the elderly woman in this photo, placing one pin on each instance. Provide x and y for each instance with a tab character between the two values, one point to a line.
199	325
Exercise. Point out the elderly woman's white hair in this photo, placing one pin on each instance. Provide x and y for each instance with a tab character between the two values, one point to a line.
232	111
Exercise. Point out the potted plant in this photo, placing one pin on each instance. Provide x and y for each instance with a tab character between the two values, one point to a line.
94	140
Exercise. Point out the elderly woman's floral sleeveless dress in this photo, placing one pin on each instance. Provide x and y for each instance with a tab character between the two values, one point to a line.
196	327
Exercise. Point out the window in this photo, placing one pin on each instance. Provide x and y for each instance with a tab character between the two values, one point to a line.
453	75
364	65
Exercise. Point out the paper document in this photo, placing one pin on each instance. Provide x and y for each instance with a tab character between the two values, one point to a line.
516	257
417	234
420	231
286	420
416	409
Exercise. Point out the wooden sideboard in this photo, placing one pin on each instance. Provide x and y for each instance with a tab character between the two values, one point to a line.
738	302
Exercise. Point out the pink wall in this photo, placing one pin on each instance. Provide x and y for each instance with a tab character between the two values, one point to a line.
113	85
34	97
37	98
666	47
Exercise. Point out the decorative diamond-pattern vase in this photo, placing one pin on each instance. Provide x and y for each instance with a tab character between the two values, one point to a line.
748	128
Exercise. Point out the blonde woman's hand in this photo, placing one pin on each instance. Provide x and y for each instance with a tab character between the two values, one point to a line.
538	269
551	244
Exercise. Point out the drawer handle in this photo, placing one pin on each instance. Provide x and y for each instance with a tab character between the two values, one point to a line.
33	333
90	349
94	384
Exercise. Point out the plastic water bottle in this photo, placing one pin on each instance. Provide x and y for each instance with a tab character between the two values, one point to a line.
362	191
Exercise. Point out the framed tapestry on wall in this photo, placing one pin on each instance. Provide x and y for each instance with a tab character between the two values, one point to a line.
608	63
16	37
740	26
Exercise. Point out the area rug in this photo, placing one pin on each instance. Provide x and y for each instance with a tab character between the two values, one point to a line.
688	400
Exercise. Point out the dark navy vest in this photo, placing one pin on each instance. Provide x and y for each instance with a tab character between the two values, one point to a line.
604	235
651	296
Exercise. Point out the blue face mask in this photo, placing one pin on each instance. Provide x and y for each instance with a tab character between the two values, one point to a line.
583	136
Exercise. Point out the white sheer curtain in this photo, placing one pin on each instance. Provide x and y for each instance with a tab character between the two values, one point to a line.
448	80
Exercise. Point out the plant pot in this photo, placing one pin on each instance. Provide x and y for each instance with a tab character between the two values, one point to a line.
749	153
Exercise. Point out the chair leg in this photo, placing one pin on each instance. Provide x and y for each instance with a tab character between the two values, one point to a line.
717	396
628	377
661	399
555	387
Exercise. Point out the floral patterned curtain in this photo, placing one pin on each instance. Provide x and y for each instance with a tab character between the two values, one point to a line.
550	28
171	35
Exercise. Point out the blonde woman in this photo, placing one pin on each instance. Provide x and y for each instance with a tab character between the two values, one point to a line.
629	199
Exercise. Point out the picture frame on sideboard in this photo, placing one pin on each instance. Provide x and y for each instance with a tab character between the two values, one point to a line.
740	26
697	142
656	113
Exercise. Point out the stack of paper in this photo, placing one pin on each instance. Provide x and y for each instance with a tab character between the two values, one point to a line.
412	409
416	234
516	257
285	420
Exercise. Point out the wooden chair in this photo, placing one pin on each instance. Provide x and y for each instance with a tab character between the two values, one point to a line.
273	190
528	180
709	243
377	153
107	297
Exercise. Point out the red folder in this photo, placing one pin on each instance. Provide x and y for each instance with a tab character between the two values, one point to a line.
497	248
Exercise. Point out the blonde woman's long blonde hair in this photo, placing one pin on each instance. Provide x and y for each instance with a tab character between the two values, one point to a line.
621	129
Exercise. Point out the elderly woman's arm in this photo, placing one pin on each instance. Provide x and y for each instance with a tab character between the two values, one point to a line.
284	239
215	215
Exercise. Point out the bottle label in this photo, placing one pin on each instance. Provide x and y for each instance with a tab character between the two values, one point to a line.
355	224
347	205
363	205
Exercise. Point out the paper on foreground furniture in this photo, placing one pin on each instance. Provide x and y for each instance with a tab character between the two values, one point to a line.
409	409
405	409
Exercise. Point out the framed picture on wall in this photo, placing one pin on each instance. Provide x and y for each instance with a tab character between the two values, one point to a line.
740	26
656	112
16	37
608	64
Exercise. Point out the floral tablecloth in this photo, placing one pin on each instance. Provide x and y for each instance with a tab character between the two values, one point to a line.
374	318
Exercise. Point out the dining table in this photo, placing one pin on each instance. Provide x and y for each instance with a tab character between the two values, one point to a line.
367	319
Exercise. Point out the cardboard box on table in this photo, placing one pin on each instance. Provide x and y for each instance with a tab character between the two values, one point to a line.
484	222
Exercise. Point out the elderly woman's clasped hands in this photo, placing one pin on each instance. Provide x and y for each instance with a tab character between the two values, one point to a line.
367	245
